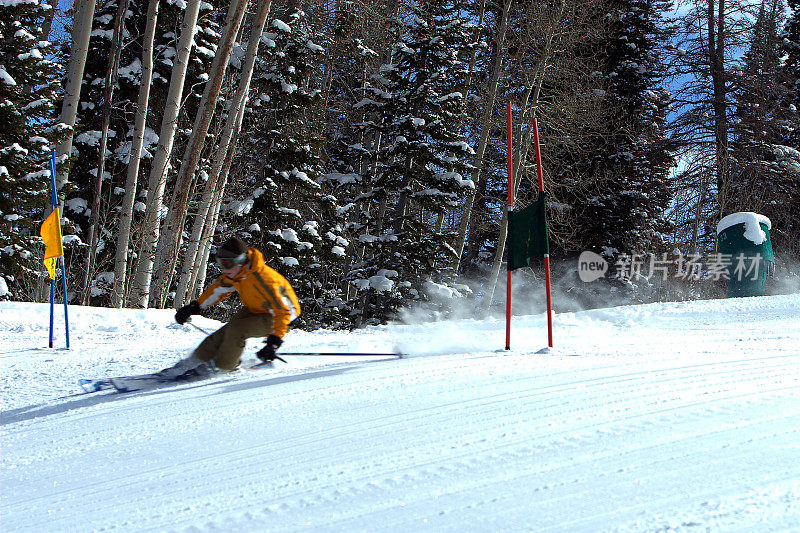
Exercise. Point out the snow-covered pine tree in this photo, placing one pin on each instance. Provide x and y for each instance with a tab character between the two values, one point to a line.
481	106
787	232
765	162
29	85
624	159
349	145
628	213
415	105
790	70
88	125
284	209
787	239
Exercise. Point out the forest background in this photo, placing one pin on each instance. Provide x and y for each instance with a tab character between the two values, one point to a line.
361	145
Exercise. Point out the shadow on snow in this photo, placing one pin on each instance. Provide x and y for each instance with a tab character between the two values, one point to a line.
82	400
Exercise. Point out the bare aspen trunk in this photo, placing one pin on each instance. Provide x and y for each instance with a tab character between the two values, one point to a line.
227	143
199	274
197	242
198	277
126	215
486	126
108	92
171	236
47	23
82	29
150	235
716	63
698	215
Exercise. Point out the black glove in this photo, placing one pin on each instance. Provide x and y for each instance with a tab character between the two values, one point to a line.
267	353
183	314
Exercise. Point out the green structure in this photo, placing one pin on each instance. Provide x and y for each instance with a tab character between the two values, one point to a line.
745	245
527	234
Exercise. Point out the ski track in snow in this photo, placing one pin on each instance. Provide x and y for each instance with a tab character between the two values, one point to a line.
662	417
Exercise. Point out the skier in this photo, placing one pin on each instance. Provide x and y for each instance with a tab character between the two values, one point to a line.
270	304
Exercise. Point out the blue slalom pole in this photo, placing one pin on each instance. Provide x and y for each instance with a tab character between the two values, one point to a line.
52	305
52	281
63	266
64	287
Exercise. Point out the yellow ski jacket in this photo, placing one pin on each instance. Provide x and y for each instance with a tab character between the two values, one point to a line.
261	289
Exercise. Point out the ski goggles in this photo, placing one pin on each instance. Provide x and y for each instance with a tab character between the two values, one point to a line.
227	263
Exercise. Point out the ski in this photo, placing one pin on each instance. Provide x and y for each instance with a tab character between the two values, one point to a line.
344	354
261	365
124	384
153	381
136	383
94	385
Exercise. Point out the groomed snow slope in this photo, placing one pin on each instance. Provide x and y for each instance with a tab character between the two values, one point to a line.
681	416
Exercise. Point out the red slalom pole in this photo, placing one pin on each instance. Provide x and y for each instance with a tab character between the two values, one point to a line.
510	157
547	255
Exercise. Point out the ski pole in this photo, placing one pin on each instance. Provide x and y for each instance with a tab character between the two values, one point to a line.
197	327
345	354
207	333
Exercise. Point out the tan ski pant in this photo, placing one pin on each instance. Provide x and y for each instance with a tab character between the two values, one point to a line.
225	346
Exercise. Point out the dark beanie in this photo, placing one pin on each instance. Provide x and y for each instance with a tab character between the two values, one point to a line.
233	247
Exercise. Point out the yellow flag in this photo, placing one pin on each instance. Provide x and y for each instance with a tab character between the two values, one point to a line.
51	235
